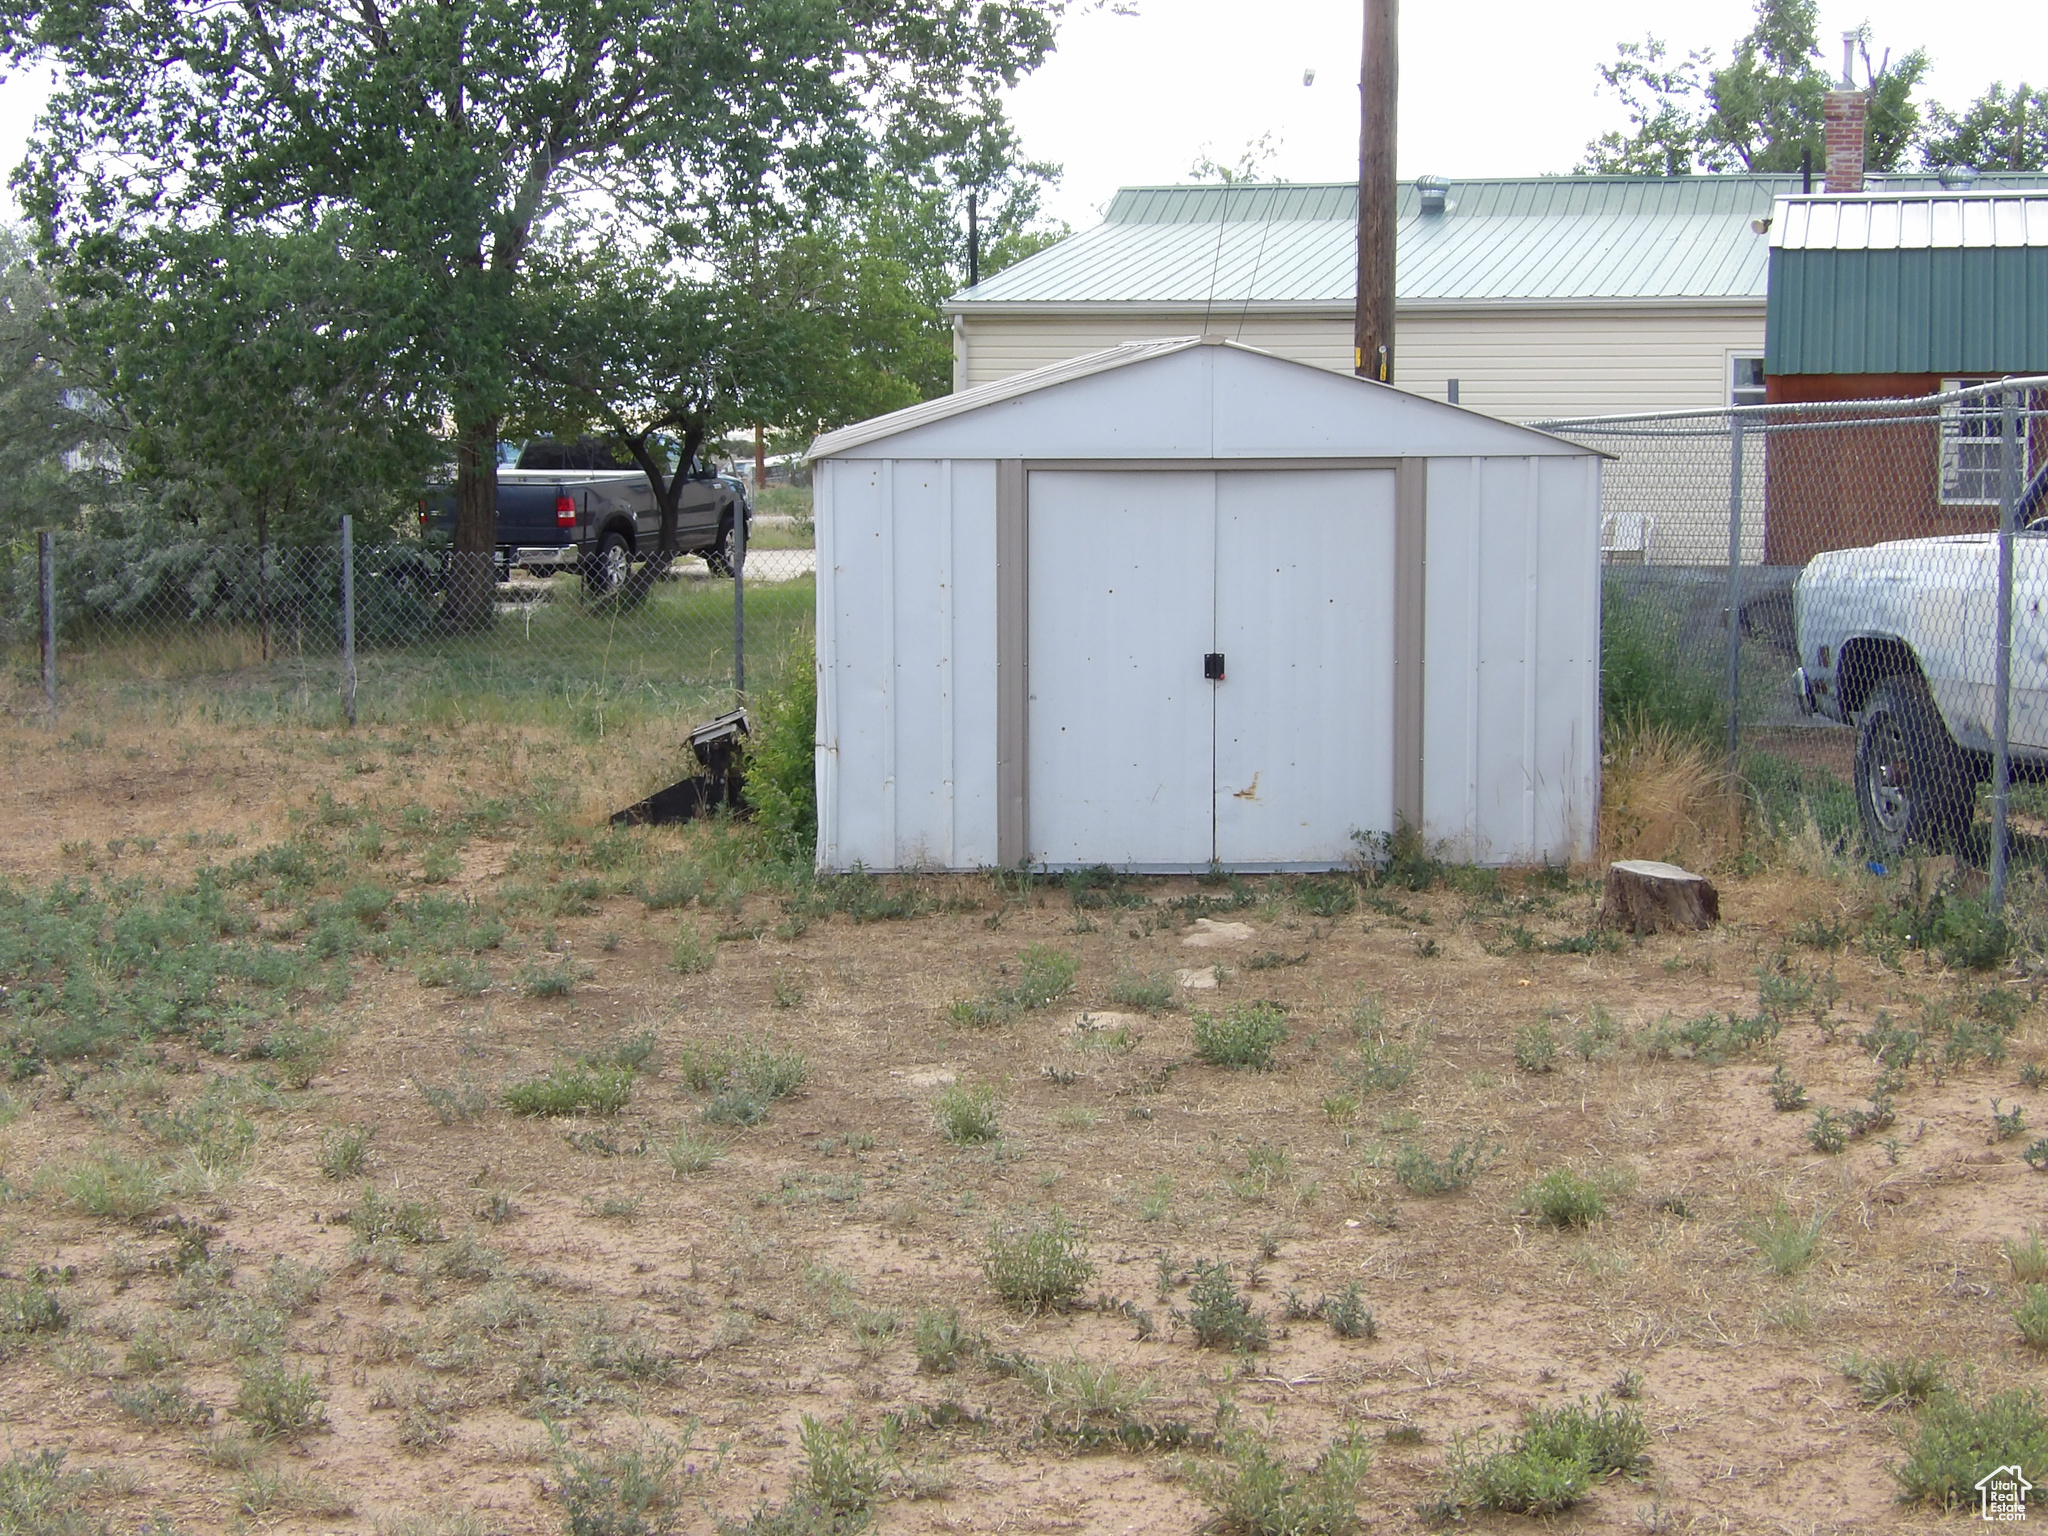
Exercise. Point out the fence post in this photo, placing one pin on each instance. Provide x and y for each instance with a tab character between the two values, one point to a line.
46	593
348	618
2001	680
1734	591
739	604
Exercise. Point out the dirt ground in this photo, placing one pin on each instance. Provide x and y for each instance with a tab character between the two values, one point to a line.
577	1298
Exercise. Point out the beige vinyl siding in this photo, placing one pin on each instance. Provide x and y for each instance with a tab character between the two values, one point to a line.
1523	365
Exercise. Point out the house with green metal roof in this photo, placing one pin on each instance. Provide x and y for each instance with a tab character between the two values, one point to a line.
1896	294
1539	297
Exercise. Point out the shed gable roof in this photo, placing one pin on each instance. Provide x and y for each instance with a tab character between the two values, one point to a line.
1185	398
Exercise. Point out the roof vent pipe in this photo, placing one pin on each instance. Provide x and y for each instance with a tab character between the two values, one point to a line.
1958	178
1431	192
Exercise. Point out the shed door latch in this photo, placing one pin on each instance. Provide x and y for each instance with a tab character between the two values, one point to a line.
1212	666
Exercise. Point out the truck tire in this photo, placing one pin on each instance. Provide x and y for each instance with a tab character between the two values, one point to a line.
718	556
1914	785
606	570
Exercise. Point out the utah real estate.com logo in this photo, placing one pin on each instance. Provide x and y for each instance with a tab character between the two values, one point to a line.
2003	1494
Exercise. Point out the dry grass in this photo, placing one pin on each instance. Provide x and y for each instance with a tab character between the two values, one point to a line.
1663	796
625	1277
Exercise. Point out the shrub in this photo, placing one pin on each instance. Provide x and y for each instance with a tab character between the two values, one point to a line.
1647	678
1244	1037
160	1403
1562	1198
1219	1315
461	1102
782	756
1606	1439
1040	1266
1958	1443
278	1401
968	1115
575	1089
38	1496
1255	1493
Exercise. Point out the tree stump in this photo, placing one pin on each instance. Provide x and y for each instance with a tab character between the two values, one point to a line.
1645	896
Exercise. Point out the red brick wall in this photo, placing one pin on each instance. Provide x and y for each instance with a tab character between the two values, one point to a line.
1853	486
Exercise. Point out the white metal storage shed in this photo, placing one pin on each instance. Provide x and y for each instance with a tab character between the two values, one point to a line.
1183	602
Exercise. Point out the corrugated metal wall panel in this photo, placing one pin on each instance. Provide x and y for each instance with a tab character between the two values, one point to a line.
1948	310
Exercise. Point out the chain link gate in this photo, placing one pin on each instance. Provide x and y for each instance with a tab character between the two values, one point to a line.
1845	594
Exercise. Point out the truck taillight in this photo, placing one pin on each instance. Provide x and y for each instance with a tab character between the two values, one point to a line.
423	514
565	512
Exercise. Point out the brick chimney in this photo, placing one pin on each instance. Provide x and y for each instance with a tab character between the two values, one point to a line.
1843	114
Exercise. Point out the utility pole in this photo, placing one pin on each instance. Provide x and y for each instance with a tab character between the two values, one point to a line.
1379	82
973	240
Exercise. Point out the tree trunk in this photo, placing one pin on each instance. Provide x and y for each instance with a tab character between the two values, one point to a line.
472	581
1645	896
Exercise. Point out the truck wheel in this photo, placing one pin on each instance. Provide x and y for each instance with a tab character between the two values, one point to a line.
719	556
1913	784
607	570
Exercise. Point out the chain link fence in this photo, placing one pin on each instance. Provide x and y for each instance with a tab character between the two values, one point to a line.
331	630
1845	597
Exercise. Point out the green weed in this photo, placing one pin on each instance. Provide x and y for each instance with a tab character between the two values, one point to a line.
1218	1314
377	1218
1253	1492
1958	1443
691	955
1786	1241
1148	992
688	1153
2031	1316
1562	1198
279	1402
1245	1036
640	1490
1535	1048
1422	1174
112	1186
2027	1257
345	1151
574	1089
940	1341
1887	1382
967	1115
1040	1266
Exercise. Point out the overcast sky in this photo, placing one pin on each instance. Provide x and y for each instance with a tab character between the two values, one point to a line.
1488	87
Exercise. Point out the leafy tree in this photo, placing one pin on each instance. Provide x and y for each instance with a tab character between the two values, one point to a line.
1763	111
1666	136
1250	166
442	139
267	369
50	437
1999	131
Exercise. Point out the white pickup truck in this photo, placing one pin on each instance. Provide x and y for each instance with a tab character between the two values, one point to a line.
1900	639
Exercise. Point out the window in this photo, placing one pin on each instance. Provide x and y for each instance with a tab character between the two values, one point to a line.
1745	378
1972	458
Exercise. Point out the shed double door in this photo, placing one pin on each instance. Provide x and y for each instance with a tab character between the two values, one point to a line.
1137	579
